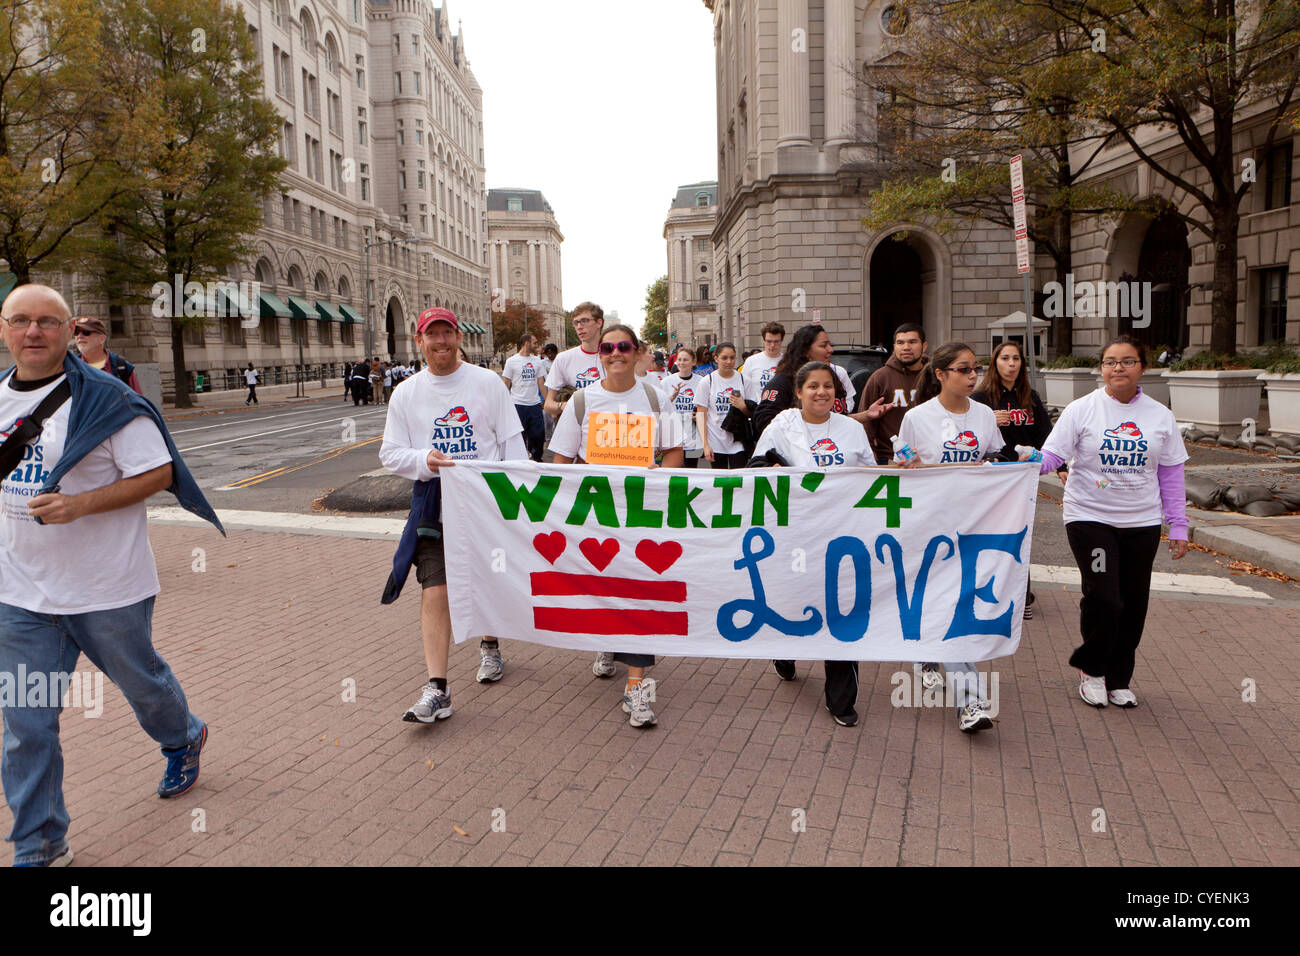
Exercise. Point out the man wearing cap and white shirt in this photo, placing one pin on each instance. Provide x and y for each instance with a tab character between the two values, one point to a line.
523	376
451	410
92	341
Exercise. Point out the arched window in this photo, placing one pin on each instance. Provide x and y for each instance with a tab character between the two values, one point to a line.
294	278
331	54
308	31
702	199
345	290
265	275
322	284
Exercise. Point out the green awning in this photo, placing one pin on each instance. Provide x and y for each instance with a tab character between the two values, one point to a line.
328	311
350	315
301	308
272	307
475	328
7	282
468	326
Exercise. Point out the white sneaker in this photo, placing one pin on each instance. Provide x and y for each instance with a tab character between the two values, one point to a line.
603	665
433	705
1122	698
490	667
973	717
931	676
1092	690
636	702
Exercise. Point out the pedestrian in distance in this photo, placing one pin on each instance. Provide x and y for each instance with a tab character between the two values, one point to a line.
716	395
896	381
360	380
77	575
1126	471
376	376
92	346
523	376
618	391
944	426
679	390
388	381
454	411
814	436
1021	416
251	376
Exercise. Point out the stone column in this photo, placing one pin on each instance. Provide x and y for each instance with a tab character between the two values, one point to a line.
546	274
839	71
534	284
792	74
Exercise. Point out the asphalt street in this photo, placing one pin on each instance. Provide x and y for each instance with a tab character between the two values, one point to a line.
285	458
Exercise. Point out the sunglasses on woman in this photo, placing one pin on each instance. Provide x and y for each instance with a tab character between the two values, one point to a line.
623	348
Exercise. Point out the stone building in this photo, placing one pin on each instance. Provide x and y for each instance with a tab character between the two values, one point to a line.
523	242
802	141
692	308
383	128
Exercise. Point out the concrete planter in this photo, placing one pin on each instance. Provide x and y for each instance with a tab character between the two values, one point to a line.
1064	385
1153	383
1283	403
1215	401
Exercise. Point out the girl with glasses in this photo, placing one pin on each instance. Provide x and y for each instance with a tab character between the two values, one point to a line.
945	427
1127	474
619	392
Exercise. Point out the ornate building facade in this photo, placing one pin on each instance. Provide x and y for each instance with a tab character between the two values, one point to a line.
692	310
523	241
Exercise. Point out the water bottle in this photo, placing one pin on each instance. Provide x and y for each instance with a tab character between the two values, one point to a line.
1034	453
902	450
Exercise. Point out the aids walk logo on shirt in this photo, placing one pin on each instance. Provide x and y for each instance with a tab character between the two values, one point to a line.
605	603
1123	447
722	400
964	447
528	373
685	400
589	377
30	470
453	434
826	452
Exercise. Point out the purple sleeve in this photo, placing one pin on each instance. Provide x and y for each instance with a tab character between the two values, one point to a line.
1050	463
1173	499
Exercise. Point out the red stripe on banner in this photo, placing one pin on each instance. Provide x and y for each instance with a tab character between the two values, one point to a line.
557	582
574	620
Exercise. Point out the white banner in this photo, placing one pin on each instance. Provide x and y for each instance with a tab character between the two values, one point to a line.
924	564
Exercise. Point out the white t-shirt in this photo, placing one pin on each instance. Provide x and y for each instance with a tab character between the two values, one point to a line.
714	394
524	372
570	438
467	414
1115	449
388	376
250	376
942	438
837	441
683	403
575	368
97	562
758	370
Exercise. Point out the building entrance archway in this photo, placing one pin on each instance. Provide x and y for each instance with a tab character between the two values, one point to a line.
906	280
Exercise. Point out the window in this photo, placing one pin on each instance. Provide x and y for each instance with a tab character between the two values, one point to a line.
397	82
286	206
415	76
308	31
701	199
300	334
345	334
415	43
703	246
286	143
738	272
356	11
323	332
1277	177
1272	305
397	43
704	291
335	111
361	72
424	223
193	334
331	54
278	12
232	332
116	320
269	330
419	132
516	248
514	205
361	125
346	243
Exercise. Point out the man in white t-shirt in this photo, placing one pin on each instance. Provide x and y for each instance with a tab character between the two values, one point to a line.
523	376
454	410
77	574
579	366
759	369
250	377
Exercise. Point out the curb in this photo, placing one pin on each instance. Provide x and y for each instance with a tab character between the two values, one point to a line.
1247	544
170	414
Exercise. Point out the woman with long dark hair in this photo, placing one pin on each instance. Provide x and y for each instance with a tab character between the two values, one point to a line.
1128	473
718	393
1021	416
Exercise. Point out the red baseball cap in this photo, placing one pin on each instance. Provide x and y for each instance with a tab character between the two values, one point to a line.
430	316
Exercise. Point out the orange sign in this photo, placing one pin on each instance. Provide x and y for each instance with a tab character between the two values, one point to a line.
620	439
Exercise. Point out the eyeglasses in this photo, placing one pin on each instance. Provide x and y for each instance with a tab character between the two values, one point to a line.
965	369
623	348
586	321
46	323
1122	363
81	332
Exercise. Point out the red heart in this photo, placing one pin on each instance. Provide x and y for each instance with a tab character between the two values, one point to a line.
550	546
658	557
599	553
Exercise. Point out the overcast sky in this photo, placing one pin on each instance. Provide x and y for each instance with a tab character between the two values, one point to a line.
607	107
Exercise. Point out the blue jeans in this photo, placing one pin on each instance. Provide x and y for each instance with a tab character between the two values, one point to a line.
530	416
119	642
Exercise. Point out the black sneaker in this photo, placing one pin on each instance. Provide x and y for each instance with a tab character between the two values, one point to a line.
784	669
847	719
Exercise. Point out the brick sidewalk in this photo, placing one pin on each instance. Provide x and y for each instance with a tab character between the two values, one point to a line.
265	637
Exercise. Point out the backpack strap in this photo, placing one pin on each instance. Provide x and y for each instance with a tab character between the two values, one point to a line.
11	452
580	405
653	395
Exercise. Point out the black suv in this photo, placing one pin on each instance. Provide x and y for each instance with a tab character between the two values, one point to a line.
859	361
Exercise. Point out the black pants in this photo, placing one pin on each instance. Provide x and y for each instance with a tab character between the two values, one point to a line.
727	462
530	416
841	686
252	395
1115	565
360	391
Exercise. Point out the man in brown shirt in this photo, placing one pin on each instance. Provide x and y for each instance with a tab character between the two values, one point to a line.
896	381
